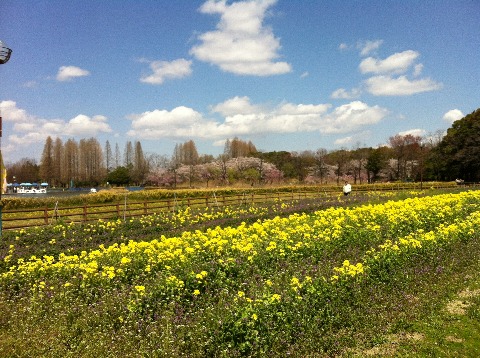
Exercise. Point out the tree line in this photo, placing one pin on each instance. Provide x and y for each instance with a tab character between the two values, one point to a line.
408	157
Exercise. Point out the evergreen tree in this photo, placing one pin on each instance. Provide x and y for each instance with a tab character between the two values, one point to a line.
459	150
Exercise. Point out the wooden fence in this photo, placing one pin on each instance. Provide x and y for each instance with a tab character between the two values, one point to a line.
16	219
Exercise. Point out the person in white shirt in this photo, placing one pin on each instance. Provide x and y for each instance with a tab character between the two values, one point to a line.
347	188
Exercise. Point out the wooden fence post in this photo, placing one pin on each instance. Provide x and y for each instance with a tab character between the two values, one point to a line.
145	208
85	212
45	212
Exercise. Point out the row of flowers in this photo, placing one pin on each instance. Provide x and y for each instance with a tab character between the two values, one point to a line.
170	263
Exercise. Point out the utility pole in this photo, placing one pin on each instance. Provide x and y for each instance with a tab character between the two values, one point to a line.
5	54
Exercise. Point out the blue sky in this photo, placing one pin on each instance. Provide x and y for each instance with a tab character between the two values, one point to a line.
287	75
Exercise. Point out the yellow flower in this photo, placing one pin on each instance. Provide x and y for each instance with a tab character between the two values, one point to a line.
125	260
275	298
140	289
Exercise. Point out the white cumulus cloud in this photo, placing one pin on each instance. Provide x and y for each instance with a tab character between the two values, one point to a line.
241	44
241	117
28	129
163	70
342	93
352	116
417	132
67	73
10	112
400	86
453	115
368	46
83	125
181	122
236	105
396	63
395	75
344	140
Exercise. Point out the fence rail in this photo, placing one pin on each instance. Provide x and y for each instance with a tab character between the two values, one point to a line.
24	218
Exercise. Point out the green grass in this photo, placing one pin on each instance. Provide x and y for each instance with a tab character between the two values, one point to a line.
453	330
442	319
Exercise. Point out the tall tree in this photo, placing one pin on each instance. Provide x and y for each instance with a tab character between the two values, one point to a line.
222	168
58	160
189	153
359	159
406	150
91	162
303	163
128	155
226	149
321	167
117	156
376	162
109	161
237	148
434	163
46	161
459	150
140	164
340	159
190	158
176	162
70	172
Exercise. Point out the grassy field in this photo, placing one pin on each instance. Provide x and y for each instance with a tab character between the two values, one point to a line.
364	276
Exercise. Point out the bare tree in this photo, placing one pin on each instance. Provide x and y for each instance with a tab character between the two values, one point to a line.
340	159
236	148
92	170
359	159
190	158
140	164
58	163
109	162
46	161
321	166
406	150
155	161
128	155
118	156
71	162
